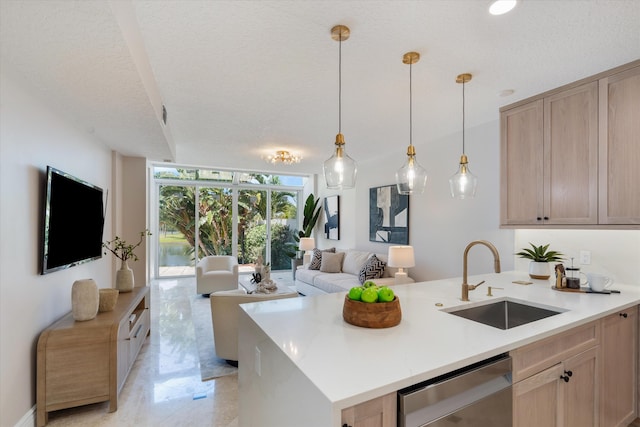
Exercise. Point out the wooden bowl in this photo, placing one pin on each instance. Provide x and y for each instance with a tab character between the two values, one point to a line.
372	315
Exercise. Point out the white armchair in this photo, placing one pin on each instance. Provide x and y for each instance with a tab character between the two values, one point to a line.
216	273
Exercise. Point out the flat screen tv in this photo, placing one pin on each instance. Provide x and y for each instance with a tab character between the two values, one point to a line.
73	221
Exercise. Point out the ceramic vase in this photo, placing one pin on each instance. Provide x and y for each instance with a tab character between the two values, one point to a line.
84	299
108	299
539	270
124	278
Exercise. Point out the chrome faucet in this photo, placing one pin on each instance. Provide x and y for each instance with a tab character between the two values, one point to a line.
496	266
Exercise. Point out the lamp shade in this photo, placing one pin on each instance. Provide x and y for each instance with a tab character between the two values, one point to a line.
307	243
401	256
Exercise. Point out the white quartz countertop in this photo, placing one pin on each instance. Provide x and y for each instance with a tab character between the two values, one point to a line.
350	364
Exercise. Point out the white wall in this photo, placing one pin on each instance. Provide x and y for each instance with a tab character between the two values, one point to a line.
613	252
32	136
439	227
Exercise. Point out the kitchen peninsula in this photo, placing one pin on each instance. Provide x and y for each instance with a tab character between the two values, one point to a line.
301	364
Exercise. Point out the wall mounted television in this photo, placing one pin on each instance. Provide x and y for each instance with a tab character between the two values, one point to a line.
73	222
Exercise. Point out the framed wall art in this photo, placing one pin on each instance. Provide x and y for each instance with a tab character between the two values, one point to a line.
332	217
388	215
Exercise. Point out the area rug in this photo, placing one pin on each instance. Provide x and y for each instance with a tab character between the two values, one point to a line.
210	366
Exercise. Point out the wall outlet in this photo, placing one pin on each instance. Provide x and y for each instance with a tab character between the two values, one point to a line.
585	257
258	363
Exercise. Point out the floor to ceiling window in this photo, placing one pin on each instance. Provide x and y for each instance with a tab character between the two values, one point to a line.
204	212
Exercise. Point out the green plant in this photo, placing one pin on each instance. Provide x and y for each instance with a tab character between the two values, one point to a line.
540	254
121	249
309	219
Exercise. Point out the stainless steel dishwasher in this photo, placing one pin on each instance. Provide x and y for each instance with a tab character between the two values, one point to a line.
475	396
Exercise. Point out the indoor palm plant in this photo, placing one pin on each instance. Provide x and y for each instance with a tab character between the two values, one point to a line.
124	252
540	257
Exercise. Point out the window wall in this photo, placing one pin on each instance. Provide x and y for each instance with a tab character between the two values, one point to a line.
202	212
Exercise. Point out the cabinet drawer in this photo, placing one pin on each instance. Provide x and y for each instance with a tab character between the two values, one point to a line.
138	335
533	358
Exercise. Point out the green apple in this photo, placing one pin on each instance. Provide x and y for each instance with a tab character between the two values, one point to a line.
369	295
369	284
385	294
355	293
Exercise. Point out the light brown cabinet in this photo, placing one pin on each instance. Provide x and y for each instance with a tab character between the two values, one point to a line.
619	363
620	148
556	380
79	363
569	156
550	159
378	412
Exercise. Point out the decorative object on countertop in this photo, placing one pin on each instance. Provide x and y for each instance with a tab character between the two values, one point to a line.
108	299
84	299
124	252
573	277
561	279
540	258
598	282
367	315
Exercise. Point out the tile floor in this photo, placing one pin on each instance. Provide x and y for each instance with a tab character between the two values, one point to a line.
164	386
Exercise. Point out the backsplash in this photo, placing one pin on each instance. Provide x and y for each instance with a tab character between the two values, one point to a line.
615	253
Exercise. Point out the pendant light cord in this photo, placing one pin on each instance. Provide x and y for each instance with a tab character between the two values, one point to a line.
463	83
340	85
410	107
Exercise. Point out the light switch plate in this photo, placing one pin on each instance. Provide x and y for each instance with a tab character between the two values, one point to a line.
585	257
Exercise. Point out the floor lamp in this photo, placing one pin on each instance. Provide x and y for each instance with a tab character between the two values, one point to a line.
401	257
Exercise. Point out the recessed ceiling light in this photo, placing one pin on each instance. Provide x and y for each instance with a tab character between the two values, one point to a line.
506	92
500	7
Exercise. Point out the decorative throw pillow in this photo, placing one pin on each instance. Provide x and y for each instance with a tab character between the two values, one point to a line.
316	258
331	263
373	269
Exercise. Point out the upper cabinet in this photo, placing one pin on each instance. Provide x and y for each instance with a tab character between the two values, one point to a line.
569	156
620	148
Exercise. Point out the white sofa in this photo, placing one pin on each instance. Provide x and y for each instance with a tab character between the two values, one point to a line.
316	282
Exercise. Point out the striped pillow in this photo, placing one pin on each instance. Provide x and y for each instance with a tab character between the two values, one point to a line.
316	258
373	269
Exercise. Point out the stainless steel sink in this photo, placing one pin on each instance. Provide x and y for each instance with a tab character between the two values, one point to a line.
505	314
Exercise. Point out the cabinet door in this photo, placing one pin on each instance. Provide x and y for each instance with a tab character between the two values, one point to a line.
571	156
379	412
619	155
537	399
619	341
581	396
522	169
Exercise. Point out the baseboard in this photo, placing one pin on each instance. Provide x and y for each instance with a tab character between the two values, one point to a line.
28	419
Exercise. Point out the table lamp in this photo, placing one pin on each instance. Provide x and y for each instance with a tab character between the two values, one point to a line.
307	244
401	257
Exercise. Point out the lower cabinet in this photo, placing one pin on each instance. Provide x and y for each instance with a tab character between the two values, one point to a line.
565	394
378	412
619	364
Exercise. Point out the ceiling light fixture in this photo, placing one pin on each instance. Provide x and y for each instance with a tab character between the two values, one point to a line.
500	7
411	177
284	157
340	169
463	184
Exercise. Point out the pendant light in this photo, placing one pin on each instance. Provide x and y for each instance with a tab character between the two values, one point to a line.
463	183
411	177
340	169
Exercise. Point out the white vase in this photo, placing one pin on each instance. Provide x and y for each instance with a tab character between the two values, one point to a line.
124	278
539	270
85	299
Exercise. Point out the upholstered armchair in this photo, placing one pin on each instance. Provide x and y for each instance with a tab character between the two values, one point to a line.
225	309
216	273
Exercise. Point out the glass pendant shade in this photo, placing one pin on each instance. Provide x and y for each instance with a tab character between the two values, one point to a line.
340	169
463	183
411	178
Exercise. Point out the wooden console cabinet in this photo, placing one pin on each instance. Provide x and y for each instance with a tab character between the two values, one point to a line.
79	363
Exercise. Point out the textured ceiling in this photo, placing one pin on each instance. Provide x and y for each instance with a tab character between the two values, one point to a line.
241	79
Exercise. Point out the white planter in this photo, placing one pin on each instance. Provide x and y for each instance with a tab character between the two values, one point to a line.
539	270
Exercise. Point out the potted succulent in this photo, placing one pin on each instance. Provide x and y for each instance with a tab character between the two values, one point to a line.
540	257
